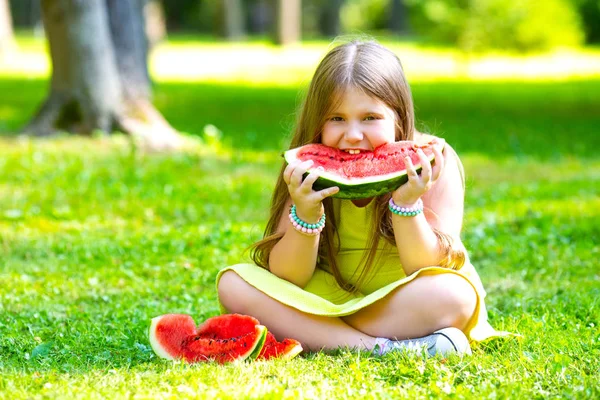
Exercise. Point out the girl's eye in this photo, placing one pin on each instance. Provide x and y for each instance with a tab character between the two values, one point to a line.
337	119
370	118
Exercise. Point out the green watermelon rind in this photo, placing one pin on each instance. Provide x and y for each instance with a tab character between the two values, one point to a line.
361	188
253	350
259	344
155	343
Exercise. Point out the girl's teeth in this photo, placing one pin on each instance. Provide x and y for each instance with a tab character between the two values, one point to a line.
353	151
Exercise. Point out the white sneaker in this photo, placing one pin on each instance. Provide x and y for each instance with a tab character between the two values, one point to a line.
444	341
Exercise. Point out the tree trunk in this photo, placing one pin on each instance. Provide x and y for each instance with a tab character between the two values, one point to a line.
260	14
329	17
233	14
288	21
398	17
156	24
99	73
7	39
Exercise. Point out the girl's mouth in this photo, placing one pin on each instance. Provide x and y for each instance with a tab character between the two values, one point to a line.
352	151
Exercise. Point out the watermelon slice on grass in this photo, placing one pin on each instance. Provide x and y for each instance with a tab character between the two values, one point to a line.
288	348
226	338
368	173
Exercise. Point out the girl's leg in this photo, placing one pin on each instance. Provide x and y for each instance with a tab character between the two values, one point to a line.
314	332
418	308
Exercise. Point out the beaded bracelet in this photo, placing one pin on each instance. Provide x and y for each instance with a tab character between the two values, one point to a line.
406	211
305	227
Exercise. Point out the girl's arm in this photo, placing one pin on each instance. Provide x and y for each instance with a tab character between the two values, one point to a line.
294	257
418	245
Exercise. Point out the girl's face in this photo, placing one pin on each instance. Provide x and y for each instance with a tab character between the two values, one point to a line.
359	122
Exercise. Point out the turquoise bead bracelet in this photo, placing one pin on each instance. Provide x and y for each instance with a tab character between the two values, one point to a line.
305	227
406	211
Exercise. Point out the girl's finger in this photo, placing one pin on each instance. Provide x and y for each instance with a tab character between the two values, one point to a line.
323	194
439	164
410	169
310	179
425	167
287	172
296	179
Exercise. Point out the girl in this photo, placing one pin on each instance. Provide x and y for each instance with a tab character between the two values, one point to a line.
371	279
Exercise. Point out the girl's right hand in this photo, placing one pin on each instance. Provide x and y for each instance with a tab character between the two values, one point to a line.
309	204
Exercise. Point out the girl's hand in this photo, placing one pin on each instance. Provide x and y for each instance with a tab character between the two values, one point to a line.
418	185
309	204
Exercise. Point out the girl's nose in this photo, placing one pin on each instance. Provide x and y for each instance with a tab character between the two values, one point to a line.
353	133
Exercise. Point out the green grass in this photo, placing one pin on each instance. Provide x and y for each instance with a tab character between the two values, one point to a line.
96	239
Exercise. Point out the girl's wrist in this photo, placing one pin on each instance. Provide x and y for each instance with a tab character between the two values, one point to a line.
304	227
312	217
404	210
407	203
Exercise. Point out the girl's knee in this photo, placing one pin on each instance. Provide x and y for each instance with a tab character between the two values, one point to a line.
458	300
231	289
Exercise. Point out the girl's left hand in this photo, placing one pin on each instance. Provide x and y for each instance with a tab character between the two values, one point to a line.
418	185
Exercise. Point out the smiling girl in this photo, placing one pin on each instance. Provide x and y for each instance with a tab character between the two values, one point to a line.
371	279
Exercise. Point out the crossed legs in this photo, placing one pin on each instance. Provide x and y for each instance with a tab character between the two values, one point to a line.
416	309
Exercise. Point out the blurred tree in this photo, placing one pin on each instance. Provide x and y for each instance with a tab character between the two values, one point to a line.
329	17
589	10
288	21
398	16
26	13
523	25
260	15
7	40
100	78
156	24
233	18
365	15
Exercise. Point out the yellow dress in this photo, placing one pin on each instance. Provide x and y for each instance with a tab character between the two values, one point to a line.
323	296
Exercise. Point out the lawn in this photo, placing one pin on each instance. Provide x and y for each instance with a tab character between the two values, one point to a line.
96	239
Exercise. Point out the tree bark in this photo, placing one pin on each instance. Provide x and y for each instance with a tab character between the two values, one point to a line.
7	39
100	77
288	21
233	14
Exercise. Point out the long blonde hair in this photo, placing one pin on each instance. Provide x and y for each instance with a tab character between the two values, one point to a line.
372	68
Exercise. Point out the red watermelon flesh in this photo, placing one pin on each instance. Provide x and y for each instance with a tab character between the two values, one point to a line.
169	332
234	325
368	173
288	348
175	336
227	326
199	348
384	160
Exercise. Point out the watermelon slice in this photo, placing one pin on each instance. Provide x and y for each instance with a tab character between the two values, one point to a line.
224	338
368	173
174	336
233	325
288	348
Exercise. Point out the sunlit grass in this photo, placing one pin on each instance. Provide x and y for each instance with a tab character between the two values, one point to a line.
97	238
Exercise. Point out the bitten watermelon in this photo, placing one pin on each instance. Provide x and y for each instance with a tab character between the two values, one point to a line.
368	173
234	325
174	336
288	348
224	338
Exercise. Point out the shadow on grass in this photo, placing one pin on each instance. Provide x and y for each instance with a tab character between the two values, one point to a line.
506	118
